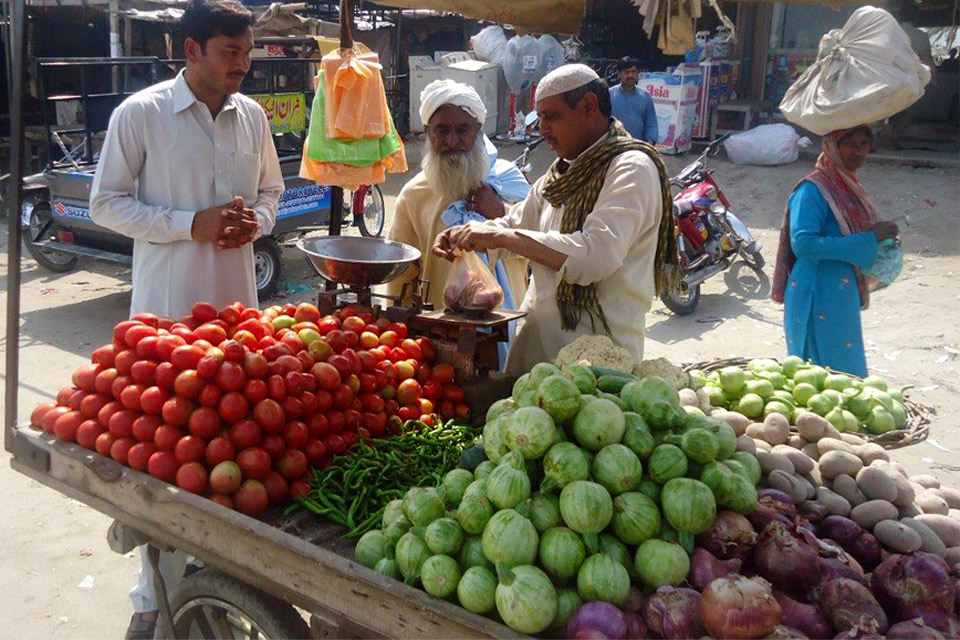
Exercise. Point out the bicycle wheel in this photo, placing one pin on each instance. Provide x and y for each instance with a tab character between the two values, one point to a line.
370	214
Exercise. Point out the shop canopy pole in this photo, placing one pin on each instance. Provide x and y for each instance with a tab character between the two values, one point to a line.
16	52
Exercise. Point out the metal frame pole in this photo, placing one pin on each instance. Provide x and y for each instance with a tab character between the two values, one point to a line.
17	54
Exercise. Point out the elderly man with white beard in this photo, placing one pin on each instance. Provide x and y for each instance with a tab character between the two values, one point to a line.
462	180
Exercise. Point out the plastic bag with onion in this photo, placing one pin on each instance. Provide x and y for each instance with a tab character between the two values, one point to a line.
471	286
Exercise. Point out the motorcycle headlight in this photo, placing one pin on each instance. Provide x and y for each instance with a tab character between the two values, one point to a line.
717	208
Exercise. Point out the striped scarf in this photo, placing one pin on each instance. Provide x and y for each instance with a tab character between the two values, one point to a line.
577	190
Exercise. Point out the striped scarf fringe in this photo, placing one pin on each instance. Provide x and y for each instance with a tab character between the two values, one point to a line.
577	190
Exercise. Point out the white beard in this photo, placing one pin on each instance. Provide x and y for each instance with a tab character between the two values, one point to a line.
454	175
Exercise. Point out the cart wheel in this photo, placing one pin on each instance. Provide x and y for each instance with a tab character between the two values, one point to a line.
266	262
212	604
369	211
39	226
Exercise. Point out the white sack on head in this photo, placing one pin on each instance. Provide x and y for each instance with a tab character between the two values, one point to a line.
441	92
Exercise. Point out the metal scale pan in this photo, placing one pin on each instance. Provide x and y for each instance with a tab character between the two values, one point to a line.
358	263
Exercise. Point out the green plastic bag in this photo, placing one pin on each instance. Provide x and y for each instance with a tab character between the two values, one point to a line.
357	153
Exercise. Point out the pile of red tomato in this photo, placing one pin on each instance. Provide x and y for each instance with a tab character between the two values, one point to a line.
241	404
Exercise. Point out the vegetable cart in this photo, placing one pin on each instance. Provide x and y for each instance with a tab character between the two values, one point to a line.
256	571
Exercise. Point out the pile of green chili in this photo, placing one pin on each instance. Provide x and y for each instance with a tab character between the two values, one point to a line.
356	487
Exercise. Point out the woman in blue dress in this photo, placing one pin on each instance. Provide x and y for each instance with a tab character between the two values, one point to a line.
830	232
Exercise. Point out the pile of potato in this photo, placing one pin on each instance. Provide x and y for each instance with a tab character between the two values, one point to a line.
853	478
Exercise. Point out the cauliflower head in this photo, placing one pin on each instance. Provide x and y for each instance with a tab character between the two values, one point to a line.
663	368
596	351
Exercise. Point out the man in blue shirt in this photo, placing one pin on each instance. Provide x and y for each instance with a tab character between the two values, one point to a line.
632	105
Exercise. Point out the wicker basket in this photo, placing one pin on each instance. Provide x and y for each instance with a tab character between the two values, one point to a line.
918	416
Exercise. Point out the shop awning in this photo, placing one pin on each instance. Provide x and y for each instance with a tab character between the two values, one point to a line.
539	16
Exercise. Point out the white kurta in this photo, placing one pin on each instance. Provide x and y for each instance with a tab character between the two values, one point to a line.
616	249
164	159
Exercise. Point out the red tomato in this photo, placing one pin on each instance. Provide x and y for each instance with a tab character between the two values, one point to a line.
428	349
309	382
447	410
412	349
432	390
245	434
120	330
274	445
335	421
104	441
391	408
208	366
176	411
255	391
368	383
296	434
424	373
389	339
226	477
66	426
277	387
425	405
351	419
427	419
106	413
409	392
453	393
335	443
166	345
204	423
106	355
163	465
233	407
130	396
88	432
190	449
328	377
292	465
462	411
277	488
375	423
315	451
292	407
138	457
342	397
148	319
212	333
400	329
210	396
147	348
230	377
269	415
145	427
166	376
251	498
137	333
204	312
372	402
85	376
167	437
121	423
337	340
254	462
186	357
245	339
120	448
408	413
125	361
121	383
294	383
369	340
309	402
220	449
75	400
192	477
144	372
443	373
406	369
298	489
103	383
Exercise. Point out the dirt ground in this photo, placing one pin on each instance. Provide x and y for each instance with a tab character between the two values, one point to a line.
59	579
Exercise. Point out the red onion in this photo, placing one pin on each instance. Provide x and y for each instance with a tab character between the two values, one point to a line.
783	632
785	558
847	603
769	509
841	530
904	584
805	618
636	627
705	568
913	630
776	494
590	634
739	607
635	601
833	568
866	550
812	511
730	536
956	570
597	617
674	613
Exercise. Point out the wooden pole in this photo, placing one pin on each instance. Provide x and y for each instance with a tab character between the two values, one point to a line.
346	42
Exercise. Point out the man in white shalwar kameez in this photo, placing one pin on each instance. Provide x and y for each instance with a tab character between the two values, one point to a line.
190	172
597	229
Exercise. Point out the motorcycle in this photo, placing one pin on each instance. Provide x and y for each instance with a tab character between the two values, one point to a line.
709	236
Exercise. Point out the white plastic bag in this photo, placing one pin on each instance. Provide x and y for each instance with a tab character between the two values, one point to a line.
490	45
552	55
864	72
768	144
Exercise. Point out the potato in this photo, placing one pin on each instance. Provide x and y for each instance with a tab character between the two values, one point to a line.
774	430
876	485
952	496
909	511
836	504
930	543
955	514
833	463
815	479
831	444
736	420
846	486
938	492
905	492
897	536
946	528
770	462
953	556
796	441
746	443
931	503
801	461
868	514
789	484
812	451
762	445
808	484
892	469
831	432
926	481
688	398
811	426
902	470
871	451
852	439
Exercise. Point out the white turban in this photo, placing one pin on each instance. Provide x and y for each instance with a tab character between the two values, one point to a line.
441	92
565	78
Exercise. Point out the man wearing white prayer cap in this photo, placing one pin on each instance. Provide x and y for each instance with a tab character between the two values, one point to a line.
597	228
462	181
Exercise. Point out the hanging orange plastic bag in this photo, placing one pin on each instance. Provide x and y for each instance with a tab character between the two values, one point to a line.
471	286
